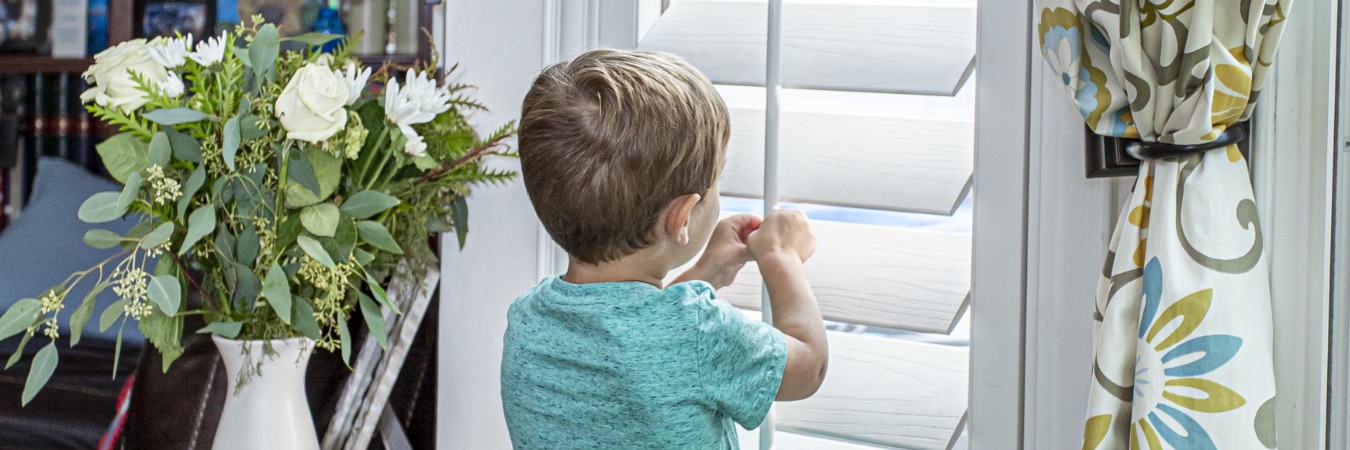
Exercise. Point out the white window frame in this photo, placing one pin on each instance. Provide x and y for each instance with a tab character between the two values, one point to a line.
1293	178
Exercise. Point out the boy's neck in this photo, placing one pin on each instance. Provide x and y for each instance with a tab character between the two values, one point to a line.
643	267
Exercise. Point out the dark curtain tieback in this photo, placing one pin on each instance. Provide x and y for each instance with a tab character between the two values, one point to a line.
1145	151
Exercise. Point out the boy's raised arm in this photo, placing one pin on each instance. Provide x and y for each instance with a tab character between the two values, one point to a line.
780	246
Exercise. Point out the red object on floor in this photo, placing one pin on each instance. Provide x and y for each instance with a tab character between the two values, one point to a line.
115	428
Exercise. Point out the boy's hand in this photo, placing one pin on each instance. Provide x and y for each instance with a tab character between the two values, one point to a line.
783	231
726	253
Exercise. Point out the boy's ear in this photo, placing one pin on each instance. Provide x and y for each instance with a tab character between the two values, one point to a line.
676	218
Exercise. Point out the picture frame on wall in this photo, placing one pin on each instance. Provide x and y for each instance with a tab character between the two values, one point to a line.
25	26
168	18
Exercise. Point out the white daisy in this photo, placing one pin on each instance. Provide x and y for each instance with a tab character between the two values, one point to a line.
172	86
414	146
356	81
170	52
210	51
417	102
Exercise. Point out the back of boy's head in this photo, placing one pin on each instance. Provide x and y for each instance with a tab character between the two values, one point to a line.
609	139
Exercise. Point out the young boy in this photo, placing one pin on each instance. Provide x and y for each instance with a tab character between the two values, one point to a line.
620	152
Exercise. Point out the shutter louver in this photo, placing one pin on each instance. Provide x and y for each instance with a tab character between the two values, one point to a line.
877	151
894	278
845	46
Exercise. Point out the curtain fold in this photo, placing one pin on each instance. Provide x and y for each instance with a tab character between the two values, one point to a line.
1182	332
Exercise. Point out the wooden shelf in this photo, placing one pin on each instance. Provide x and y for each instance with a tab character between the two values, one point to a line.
402	61
42	64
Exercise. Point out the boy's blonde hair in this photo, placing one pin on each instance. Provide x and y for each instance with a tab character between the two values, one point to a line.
608	139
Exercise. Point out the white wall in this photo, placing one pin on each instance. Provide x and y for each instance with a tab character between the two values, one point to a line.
498	46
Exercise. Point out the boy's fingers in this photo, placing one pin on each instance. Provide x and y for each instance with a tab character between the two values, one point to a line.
744	224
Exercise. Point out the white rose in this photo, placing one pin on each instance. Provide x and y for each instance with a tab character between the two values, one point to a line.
310	108
111	76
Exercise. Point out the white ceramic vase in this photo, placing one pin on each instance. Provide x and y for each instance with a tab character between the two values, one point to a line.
269	411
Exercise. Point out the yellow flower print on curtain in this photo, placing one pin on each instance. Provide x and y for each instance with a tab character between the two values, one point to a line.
1182	329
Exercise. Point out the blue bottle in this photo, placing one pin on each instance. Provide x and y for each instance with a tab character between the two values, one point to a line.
330	22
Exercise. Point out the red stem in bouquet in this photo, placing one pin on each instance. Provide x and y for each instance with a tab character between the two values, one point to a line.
470	156
188	275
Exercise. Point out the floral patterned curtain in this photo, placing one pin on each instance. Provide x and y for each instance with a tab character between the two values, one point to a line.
1183	321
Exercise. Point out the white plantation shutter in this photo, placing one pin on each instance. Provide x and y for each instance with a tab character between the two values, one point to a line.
876	112
873	46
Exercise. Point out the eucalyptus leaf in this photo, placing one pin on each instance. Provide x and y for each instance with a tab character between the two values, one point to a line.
44	365
249	128
304	322
365	204
111	313
201	223
345	338
376	235
314	249
243	55
184	146
459	212
262	53
84	312
160	150
175	116
299	170
23	314
18	351
374	320
130	191
228	330
190	188
244	106
124	154
136	233
277	291
380	294
344	240
320	219
229	146
363	257
165	291
246	249
159	236
101	239
327	169
100	208
248	286
117	349
287	231
314	39
226	244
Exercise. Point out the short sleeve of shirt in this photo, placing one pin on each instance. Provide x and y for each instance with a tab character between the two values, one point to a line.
741	361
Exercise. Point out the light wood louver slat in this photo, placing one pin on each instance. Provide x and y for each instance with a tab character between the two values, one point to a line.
865	46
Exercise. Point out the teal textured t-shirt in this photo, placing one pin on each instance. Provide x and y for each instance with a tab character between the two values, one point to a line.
628	365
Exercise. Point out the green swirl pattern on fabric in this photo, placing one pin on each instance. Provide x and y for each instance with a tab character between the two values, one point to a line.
1182	321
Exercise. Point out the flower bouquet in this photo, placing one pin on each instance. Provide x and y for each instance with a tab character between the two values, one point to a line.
272	187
